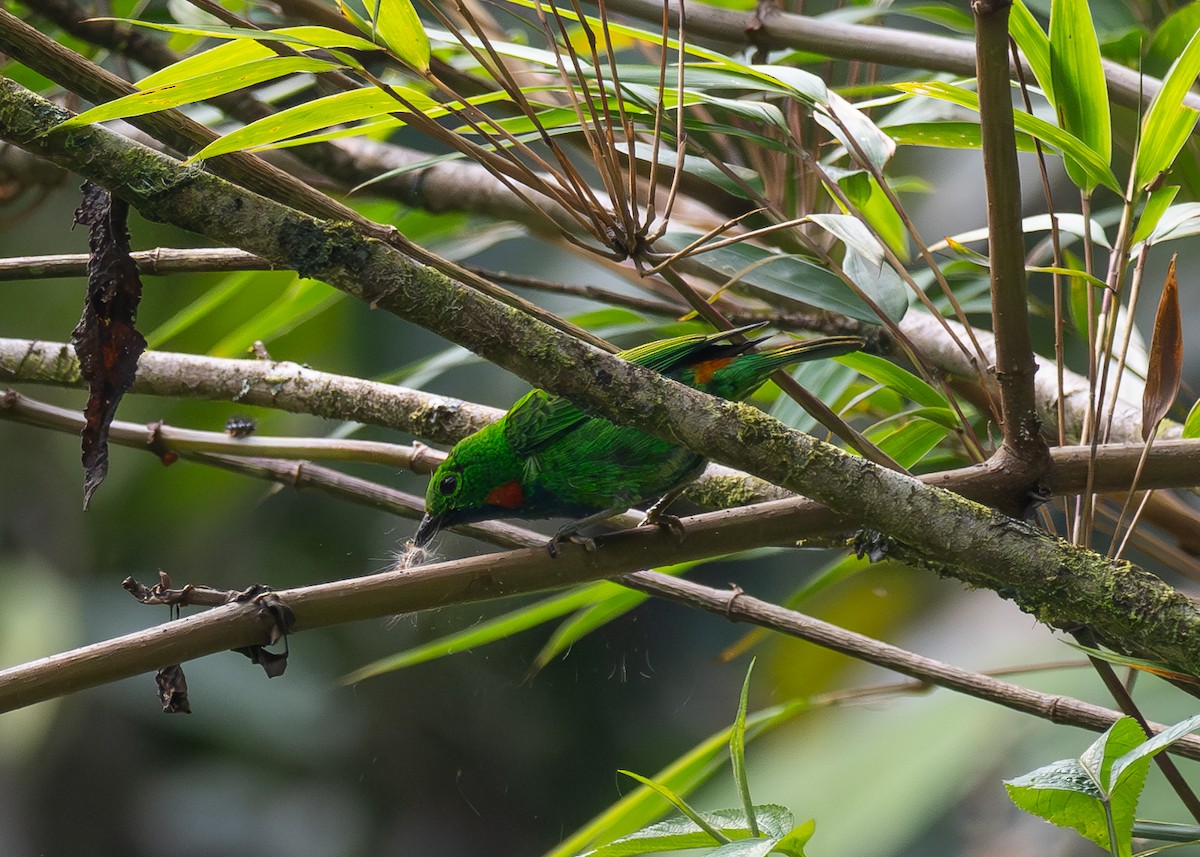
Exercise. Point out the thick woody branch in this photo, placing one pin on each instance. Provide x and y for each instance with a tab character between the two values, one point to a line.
1059	583
245	624
1023	454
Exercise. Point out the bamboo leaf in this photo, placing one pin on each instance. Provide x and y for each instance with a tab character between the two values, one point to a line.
737	753
1168	122
1034	44
396	25
200	88
1166	357
352	106
499	628
895	377
1080	90
706	825
248	45
1096	167
642	805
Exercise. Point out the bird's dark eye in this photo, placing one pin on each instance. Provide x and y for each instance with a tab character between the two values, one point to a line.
448	485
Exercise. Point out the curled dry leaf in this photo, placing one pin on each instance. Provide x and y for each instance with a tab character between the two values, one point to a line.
1166	357
106	341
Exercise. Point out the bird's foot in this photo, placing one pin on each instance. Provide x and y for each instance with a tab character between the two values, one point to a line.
670	523
568	535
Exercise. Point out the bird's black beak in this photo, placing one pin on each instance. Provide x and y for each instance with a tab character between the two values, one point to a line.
427	529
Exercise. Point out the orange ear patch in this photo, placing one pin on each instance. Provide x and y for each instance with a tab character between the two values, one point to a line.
704	370
506	496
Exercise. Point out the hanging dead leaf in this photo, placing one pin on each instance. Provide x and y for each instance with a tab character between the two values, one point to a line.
172	690
1166	357
106	341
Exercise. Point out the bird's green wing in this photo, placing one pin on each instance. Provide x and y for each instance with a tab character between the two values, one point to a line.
539	419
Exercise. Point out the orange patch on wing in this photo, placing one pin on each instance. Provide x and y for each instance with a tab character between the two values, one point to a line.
507	496
704	371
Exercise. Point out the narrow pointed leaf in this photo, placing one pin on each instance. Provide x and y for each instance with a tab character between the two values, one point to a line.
499	628
352	106
911	442
1097	168
895	377
1080	91
1166	357
737	752
1152	213
200	88
1034	44
642	805
1168	122
399	28
696	818
244	48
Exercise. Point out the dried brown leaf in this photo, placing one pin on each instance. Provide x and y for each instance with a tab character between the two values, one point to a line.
1166	357
106	341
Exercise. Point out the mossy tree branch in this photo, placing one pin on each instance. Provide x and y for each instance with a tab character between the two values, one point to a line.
1060	584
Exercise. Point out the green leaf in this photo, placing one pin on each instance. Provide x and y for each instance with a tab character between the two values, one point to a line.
1071	224
702	824
1171	38
790	275
396	24
793	844
850	125
1178	221
1168	121
200	308
1096	168
911	442
946	135
1080	794
1080	90
880	283
501	627
850	231
642	805
1152	213
1122	767
1191	426
247	46
1034	44
614	603
896	378
302	300
200	88
584	622
352	106
731	825
746	848
737	752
